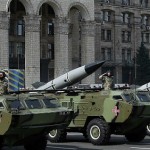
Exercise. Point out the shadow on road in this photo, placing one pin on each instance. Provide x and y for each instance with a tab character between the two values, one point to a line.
66	147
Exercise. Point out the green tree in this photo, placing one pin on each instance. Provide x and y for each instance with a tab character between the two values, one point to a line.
142	66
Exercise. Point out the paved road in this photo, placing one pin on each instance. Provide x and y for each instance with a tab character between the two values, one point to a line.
77	142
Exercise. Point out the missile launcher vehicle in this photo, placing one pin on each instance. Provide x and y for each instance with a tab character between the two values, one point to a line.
27	118
100	113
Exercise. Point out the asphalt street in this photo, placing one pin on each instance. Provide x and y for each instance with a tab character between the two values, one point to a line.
77	142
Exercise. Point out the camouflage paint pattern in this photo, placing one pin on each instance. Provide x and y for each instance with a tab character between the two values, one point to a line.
25	115
122	114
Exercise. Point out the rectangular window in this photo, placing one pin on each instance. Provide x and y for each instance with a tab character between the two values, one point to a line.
33	104
126	18
123	17
129	55
20	50
103	34
109	54
43	52
51	103
20	28
51	51
109	35
109	16
123	55
147	38
103	53
128	36
11	50
50	28
123	36
126	2
144	3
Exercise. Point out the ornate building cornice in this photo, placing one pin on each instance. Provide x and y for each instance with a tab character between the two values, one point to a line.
88	28
62	26
32	23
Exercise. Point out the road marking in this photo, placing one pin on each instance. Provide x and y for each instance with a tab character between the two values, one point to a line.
61	147
140	148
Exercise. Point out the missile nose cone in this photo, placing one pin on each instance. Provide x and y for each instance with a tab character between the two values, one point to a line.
90	68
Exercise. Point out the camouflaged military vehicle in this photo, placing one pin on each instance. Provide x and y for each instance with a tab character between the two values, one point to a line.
100	113
27	118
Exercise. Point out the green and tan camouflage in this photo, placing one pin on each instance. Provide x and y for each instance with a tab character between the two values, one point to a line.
100	113
27	118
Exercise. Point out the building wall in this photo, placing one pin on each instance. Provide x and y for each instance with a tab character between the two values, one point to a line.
121	65
61	35
78	29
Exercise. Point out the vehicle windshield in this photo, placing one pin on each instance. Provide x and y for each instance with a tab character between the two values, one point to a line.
127	97
33	103
51	103
143	97
15	104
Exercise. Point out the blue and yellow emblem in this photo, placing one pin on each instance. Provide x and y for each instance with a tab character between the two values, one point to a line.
16	79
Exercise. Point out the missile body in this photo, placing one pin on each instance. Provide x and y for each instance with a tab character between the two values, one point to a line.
71	77
144	87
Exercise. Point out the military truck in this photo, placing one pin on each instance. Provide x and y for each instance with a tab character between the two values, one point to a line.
100	113
27	118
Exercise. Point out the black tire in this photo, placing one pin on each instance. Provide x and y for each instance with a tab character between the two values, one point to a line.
57	135
148	129
136	136
38	143
98	132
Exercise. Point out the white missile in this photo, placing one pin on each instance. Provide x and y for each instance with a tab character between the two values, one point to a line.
71	77
144	87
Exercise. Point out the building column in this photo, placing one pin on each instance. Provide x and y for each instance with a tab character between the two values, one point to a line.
117	49
4	40
62	52
88	47
32	49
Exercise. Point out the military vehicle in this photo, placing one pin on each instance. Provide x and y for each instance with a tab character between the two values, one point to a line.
27	118
100	113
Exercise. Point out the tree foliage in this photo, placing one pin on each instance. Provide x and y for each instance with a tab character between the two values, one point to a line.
142	65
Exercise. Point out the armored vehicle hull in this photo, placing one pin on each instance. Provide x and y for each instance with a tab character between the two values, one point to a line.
100	113
28	118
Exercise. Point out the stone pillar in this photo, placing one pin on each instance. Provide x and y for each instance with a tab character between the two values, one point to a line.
4	40
118	75
136	34
88	47
62	53
117	49
32	49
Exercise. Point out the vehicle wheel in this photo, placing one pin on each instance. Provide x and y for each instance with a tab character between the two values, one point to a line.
57	135
137	136
38	143
98	132
148	129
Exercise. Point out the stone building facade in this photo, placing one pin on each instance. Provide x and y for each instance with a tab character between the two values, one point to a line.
43	38
48	38
121	26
